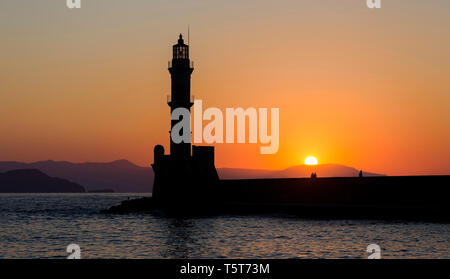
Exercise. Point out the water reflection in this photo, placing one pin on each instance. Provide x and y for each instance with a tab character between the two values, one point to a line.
41	226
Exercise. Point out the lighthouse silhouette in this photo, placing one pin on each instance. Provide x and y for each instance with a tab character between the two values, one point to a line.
182	176
180	69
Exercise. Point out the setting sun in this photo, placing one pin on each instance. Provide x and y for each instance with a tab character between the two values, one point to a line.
311	160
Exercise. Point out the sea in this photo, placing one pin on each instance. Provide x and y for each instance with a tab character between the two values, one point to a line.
44	225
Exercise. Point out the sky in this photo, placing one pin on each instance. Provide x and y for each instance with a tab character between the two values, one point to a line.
367	88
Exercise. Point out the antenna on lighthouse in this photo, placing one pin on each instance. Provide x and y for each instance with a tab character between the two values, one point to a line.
189	42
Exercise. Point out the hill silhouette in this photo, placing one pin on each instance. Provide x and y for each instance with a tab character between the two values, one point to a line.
125	177
35	181
121	176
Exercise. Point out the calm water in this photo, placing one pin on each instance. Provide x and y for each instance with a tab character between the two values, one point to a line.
42	225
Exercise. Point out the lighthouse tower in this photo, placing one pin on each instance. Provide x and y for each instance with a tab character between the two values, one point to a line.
182	178
180	69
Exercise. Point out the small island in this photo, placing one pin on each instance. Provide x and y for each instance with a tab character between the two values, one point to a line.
102	191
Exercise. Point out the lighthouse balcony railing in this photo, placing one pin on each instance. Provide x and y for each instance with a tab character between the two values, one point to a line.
169	98
190	64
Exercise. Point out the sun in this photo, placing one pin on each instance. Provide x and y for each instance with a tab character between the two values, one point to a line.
310	160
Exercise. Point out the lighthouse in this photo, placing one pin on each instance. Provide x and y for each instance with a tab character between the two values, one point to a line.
187	174
180	69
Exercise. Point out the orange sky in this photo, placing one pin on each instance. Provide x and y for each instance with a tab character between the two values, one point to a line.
355	86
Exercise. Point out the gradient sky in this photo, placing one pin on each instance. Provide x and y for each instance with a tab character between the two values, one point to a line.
355	86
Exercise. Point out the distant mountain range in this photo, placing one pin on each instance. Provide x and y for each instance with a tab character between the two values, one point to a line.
35	181
121	176
125	177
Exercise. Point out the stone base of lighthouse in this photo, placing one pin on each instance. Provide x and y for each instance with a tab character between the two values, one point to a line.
187	182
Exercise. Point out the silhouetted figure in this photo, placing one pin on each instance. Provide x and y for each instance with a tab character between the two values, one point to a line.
360	173
313	175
